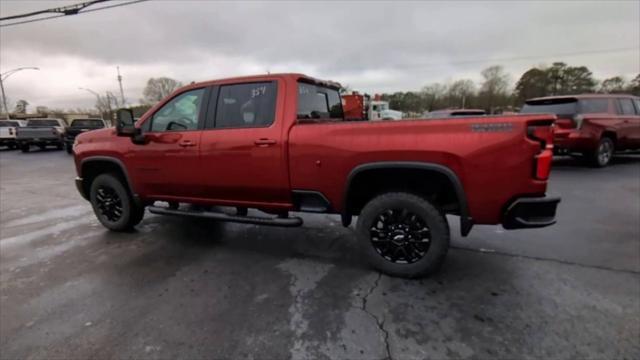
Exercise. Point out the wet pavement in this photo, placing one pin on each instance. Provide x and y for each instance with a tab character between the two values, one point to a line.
186	288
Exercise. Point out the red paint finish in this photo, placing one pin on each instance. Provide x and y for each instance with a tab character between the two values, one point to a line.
259	167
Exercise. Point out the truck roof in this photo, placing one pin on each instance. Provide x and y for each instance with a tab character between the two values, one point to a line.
582	96
292	76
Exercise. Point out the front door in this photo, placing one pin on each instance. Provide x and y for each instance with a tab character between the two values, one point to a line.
242	153
167	165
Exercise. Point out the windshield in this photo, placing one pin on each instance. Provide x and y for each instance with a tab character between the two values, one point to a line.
87	123
318	102
5	123
552	106
42	123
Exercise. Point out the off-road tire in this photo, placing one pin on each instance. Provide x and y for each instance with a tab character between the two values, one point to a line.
434	220
113	204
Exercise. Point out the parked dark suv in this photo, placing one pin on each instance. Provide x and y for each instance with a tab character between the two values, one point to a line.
592	125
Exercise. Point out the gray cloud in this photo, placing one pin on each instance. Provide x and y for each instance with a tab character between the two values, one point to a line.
372	46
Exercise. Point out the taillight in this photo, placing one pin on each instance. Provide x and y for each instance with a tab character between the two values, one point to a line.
543	133
10	131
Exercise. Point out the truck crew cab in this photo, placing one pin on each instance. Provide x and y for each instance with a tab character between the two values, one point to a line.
280	144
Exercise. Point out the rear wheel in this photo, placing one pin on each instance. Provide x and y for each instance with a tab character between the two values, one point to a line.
402	234
113	205
603	153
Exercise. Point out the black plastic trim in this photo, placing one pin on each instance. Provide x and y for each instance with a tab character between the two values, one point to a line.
80	187
311	201
531	212
466	221
278	221
120	164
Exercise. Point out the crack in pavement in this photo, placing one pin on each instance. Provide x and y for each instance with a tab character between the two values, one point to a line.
559	261
379	322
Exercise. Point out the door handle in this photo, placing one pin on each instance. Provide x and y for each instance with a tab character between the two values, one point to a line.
264	142
186	143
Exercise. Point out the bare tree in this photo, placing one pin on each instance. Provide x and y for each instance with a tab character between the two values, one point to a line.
159	88
495	84
459	92
433	94
613	85
107	104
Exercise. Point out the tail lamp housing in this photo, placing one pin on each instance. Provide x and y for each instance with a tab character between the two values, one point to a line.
542	133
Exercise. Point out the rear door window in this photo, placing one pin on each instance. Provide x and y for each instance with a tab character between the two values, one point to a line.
594	106
246	105
626	107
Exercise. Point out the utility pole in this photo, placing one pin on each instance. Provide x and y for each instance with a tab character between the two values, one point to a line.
120	82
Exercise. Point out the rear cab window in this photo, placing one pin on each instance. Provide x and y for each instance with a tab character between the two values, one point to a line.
5	123
43	123
318	103
87	123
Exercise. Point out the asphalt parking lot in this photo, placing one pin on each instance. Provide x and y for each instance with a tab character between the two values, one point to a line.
181	288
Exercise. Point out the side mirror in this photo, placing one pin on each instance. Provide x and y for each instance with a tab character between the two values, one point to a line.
125	124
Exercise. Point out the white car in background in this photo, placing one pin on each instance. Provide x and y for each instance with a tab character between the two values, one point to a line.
8	130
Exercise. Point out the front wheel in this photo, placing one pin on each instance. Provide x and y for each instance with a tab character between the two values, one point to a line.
113	205
604	152
402	234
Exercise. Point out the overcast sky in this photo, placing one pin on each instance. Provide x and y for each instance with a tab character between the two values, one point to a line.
371	46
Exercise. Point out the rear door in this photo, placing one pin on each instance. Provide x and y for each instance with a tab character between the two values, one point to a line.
243	152
630	126
167	165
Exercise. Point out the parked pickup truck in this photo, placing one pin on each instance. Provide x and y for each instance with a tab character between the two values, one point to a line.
279	144
594	126
8	129
79	126
41	133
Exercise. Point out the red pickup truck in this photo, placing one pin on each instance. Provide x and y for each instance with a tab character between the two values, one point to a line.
280	144
592	125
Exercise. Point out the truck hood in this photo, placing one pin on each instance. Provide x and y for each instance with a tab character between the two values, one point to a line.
95	134
79	130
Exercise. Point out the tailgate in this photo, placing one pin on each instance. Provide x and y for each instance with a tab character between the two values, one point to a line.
37	132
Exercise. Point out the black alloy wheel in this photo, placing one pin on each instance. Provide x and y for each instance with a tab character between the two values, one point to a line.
400	236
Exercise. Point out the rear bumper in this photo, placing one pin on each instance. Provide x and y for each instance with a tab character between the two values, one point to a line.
565	141
40	141
529	212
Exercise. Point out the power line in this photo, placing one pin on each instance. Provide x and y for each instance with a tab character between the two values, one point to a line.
79	12
529	57
65	10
